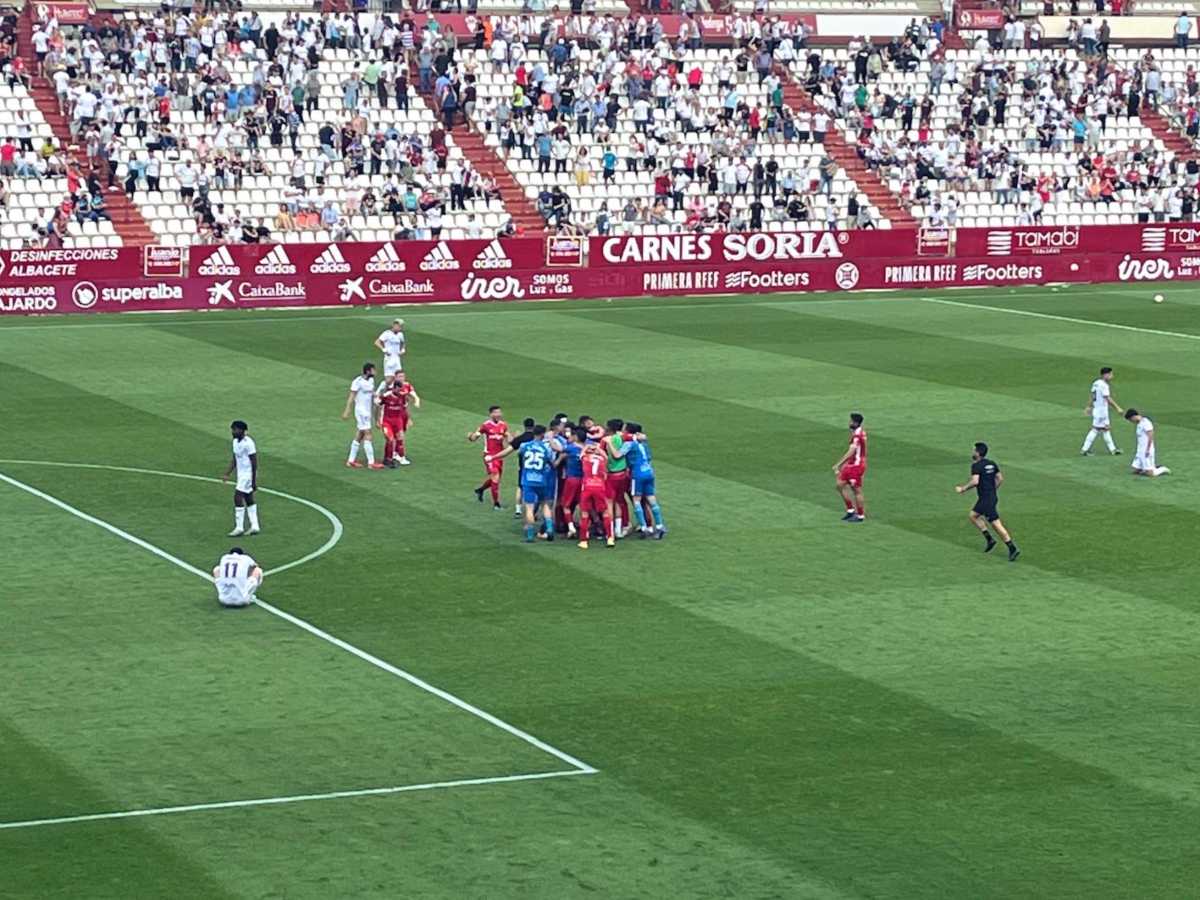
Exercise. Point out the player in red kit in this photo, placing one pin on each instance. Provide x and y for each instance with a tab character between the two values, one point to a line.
850	470
393	400
593	499
494	431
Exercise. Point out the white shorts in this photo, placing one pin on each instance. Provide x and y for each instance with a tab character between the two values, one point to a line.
363	420
244	484
392	365
1144	462
230	595
1100	421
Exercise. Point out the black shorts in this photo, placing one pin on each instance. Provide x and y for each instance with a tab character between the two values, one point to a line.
987	509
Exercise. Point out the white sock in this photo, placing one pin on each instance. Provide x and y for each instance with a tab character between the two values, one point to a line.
370	451
618	529
1089	440
239	516
252	510
353	451
1108	441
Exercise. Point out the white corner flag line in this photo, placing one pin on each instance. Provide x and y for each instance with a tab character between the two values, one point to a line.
578	767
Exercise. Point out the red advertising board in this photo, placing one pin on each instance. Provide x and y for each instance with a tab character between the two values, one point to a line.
283	275
66	13
980	19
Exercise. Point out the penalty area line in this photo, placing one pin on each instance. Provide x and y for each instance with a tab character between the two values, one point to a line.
293	798
1039	315
412	679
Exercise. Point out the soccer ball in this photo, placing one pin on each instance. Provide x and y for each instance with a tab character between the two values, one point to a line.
1158	298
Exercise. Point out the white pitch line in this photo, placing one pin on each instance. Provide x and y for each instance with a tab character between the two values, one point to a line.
1051	316
336	536
313	630
295	798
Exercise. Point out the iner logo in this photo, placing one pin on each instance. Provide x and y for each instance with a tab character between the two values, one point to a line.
1131	269
501	288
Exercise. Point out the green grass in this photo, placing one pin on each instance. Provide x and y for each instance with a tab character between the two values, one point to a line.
779	706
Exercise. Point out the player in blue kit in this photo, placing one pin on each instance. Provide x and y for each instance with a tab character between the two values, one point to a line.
572	478
538	480
637	452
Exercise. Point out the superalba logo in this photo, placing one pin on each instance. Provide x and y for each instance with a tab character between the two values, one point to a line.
220	262
385	259
492	257
439	259
330	261
275	263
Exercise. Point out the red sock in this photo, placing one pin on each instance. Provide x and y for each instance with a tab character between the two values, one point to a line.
387	450
608	525
859	510
849	505
399	451
624	508
495	486
585	526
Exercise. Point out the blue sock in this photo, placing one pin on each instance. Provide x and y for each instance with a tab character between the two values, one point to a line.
656	511
530	531
548	526
640	513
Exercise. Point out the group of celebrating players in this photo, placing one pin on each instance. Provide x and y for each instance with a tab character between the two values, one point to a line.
568	469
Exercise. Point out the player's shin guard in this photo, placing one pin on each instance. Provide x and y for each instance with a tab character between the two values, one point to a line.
252	512
1089	440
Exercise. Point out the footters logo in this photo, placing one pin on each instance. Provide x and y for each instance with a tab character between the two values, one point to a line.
745	281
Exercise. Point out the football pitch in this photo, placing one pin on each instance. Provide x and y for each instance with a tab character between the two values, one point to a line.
767	704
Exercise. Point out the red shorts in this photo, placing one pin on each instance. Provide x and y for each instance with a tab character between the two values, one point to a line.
394	426
568	494
495	467
617	484
592	500
852	475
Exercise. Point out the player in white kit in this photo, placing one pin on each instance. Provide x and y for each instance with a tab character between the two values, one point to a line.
245	462
237	576
1097	406
362	400
1144	462
391	342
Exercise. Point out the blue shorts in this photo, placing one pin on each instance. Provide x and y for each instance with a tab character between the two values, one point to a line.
643	487
537	493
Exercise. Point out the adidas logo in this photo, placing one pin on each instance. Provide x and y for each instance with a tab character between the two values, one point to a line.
220	262
492	257
329	262
275	263
439	259
386	259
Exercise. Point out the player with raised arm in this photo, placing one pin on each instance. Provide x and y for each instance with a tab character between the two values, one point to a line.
494	431
393	397
593	498
237	577
1099	400
513	446
392	343
1144	462
986	480
362	400
850	470
642	474
245	461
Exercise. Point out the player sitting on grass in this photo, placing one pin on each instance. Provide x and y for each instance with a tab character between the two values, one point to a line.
1144	462
637	452
237	576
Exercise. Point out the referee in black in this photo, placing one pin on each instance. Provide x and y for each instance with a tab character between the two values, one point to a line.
986	479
